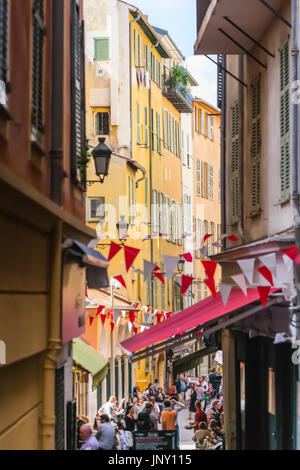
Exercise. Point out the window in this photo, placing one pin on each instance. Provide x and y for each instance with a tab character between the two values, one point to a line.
202	179
146	127
3	50
38	33
198	176
235	162
284	121
188	151
77	91
139	50
131	200
102	123
152	129
158	132
196	119
135	46
203	121
101	49
210	177
255	144
210	127
138	125
95	209
182	147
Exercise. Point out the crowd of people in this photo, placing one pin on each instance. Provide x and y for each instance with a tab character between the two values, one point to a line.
155	410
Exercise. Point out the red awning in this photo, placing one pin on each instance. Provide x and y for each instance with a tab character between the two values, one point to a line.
197	315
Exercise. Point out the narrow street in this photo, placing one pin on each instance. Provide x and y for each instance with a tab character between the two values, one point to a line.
185	435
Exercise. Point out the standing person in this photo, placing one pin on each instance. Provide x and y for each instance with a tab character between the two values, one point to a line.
192	408
139	406
86	434
110	408
188	397
160	398
181	388
106	433
156	386
168	417
129	418
120	436
200	416
136	391
200	393
176	406
155	411
146	421
149	392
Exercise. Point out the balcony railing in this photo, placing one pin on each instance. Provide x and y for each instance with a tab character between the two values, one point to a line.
180	98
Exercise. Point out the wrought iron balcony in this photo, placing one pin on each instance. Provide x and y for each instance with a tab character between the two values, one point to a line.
180	97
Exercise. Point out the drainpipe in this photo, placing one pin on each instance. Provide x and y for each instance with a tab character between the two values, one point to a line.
48	418
130	79
295	161
223	152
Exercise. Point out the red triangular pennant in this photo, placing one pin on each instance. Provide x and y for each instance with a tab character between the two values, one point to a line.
135	329
157	268
211	285
103	318
91	320
233	238
210	268
168	314
293	253
186	281
266	273
99	310
158	316
121	280
130	255
112	325
149	310
113	250
188	257
159	276
264	292
206	237
132	316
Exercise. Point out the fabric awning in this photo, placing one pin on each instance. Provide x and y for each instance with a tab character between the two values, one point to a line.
191	361
197	315
90	360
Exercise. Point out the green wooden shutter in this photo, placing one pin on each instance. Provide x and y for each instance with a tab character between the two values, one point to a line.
140	50
165	128
138	123
284	121
38	33
235	163
146	126
152	129
255	144
136	58
149	64
158	134
101	49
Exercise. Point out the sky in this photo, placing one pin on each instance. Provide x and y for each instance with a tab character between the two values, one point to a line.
179	18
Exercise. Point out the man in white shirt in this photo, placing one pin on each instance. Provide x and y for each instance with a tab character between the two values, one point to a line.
110	407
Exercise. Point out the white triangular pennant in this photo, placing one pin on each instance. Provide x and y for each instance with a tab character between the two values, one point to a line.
269	261
170	263
240	281
143	328
123	313
225	290
116	314
289	263
129	326
247	266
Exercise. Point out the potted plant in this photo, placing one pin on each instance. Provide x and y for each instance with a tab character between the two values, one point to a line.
178	78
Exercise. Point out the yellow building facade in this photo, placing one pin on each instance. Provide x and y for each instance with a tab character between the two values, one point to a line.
127	103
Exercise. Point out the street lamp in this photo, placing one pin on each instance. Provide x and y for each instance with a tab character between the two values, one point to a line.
122	227
102	156
180	265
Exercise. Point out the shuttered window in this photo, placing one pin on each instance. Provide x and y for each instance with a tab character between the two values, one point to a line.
77	91
235	162
198	176
135	46
146	127
255	144
149	59
138	123
165	128
152	129
102	124
196	119
202	179
140	50
131	199
202	121
158	132
101	49
38	33
3	50
182	148
219	81
284	121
